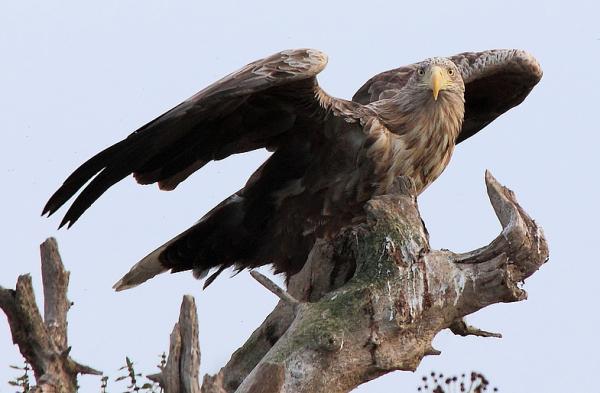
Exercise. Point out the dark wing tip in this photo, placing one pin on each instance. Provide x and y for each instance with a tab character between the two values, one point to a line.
99	184
51	206
55	202
65	222
80	177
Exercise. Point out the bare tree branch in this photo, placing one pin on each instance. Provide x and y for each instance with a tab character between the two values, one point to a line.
461	328
271	286
55	280
44	342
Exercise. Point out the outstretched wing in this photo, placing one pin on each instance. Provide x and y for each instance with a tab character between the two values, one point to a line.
246	110
495	81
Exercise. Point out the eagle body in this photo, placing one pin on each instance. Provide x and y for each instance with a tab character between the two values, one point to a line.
330	156
324	179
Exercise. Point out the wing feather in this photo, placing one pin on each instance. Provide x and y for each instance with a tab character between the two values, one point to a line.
495	81
245	110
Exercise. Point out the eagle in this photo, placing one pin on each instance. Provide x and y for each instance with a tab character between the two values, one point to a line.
329	155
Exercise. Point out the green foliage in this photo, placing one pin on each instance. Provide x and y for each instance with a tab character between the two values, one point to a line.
437	383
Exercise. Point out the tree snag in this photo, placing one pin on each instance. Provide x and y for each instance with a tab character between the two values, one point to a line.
367	302
180	374
373	298
43	342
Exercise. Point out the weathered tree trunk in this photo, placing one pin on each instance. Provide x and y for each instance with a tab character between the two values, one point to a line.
367	302
371	300
43	342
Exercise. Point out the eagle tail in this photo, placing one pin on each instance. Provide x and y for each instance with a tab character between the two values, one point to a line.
142	271
218	240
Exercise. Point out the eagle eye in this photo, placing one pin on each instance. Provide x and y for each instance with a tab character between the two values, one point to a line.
450	71
421	71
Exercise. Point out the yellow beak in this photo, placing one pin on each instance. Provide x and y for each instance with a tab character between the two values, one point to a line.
436	81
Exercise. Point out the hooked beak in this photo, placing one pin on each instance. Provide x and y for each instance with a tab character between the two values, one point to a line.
436	81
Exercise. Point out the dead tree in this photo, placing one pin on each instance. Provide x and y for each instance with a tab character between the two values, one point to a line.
43	342
367	302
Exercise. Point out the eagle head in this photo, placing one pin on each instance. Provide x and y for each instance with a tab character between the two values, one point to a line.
437	76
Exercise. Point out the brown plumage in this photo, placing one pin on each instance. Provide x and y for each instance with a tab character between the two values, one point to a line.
329	157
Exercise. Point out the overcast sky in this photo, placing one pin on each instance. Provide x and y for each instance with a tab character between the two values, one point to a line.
78	76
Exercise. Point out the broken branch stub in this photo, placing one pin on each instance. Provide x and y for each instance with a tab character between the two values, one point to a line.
55	280
180	374
274	288
381	295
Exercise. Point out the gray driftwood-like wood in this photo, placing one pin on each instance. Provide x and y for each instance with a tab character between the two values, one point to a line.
371	300
43	342
180	374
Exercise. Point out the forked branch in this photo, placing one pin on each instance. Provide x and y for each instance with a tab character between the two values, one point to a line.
43	342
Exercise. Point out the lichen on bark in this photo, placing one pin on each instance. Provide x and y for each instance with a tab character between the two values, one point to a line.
367	302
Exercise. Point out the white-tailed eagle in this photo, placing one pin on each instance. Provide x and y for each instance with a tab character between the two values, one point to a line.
330	155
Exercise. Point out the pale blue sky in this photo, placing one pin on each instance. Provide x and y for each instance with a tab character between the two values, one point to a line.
77	76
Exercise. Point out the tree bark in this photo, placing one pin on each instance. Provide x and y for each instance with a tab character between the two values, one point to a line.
371	300
367	302
43	342
180	374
